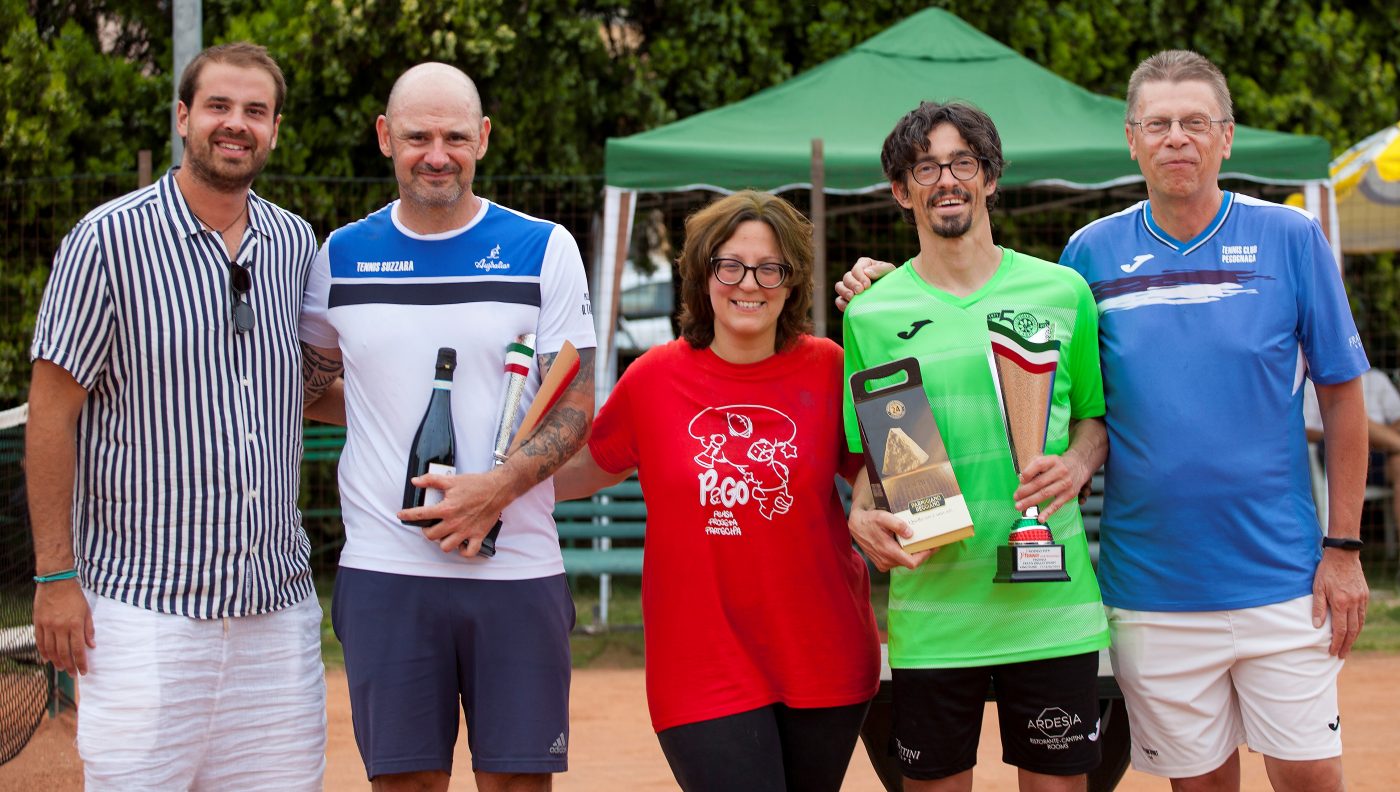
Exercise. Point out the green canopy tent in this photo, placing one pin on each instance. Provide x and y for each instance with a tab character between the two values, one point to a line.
1054	133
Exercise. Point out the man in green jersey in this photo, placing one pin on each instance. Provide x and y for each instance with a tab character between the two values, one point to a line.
952	630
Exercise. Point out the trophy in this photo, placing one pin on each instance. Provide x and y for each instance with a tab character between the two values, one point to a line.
910	473
1023	371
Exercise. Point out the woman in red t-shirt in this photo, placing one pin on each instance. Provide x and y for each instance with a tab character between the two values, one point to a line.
761	647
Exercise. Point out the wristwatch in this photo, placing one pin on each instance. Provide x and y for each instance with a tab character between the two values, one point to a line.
1342	544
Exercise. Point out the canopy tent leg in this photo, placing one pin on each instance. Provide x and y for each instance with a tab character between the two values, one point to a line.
619	210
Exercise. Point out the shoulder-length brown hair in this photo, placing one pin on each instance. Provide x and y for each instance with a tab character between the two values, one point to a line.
711	227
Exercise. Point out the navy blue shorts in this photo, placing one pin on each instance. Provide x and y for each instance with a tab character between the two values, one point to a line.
417	646
1048	710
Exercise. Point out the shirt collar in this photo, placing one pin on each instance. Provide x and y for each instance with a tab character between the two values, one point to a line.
183	219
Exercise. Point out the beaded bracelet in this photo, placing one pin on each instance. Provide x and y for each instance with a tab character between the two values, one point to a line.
67	574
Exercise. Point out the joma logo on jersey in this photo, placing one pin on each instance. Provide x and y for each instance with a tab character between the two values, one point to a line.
1138	261
914	328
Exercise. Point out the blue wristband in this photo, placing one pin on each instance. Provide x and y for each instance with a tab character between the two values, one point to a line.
67	574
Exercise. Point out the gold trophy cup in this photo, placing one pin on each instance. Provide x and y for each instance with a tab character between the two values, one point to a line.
1024	373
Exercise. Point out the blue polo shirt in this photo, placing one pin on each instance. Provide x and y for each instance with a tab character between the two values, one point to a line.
1205	344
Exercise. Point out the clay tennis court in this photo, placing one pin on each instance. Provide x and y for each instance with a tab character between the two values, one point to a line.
613	748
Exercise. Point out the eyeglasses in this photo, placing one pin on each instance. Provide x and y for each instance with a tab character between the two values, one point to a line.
731	272
241	281
929	172
1195	126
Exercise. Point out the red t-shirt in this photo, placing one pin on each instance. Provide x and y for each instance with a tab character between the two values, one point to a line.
751	591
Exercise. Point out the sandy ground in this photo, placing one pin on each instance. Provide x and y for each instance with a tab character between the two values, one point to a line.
614	749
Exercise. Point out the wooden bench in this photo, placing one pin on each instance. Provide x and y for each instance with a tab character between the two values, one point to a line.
322	442
588	531
588	528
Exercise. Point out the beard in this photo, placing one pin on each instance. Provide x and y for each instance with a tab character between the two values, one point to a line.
950	227
433	196
203	160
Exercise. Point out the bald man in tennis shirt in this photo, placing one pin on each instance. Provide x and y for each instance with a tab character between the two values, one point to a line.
430	625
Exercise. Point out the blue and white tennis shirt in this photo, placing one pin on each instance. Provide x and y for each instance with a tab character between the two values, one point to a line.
389	298
1205	344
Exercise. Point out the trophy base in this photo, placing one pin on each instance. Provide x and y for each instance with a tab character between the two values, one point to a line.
1035	563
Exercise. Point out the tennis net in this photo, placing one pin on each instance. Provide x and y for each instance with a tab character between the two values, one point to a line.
25	682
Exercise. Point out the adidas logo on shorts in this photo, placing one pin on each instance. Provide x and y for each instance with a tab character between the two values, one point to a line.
560	746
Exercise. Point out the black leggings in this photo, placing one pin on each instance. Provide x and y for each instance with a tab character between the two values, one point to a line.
776	748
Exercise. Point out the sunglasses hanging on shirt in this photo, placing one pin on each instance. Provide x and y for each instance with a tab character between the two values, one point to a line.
241	281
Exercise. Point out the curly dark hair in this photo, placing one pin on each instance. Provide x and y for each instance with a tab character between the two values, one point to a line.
910	138
711	227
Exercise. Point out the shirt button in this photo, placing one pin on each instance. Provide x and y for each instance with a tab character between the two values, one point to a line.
253	494
247	383
252	437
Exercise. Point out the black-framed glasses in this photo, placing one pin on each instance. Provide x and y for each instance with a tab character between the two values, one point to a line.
241	282
928	172
731	272
1195	126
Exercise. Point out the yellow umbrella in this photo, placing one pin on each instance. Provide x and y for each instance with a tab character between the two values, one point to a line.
1366	178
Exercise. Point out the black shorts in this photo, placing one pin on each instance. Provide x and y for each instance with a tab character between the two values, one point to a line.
1048	710
418	648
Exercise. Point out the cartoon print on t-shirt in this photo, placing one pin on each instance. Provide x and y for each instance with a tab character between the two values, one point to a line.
741	446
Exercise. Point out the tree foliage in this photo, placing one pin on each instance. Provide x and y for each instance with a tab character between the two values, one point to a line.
85	84
89	77
70	107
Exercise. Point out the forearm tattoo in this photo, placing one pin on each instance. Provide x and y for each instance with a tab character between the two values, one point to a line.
565	427
318	372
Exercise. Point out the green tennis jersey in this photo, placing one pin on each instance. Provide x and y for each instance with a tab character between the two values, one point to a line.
948	613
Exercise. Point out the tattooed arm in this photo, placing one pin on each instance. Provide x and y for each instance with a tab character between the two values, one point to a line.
565	427
323	390
472	502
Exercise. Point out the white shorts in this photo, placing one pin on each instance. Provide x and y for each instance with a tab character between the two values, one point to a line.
1199	684
174	703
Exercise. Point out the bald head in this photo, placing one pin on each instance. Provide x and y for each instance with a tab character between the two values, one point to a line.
434	131
436	83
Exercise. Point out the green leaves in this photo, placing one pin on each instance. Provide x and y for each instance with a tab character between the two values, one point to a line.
559	77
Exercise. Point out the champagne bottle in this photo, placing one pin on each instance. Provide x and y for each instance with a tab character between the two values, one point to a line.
433	449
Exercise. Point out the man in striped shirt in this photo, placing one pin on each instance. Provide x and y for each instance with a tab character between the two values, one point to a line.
163	451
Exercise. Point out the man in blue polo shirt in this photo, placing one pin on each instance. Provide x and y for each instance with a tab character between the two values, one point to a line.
1230	615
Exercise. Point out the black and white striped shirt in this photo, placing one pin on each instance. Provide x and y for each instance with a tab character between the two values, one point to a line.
189	444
